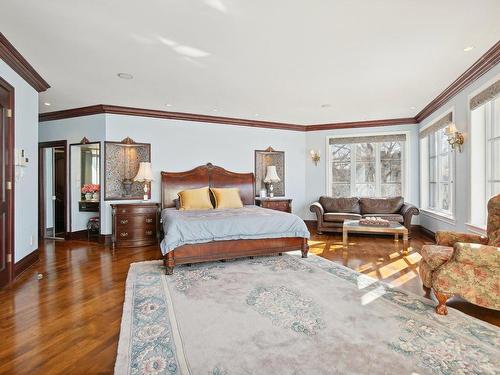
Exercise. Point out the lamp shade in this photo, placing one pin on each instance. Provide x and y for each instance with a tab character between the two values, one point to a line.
271	175
145	172
450	129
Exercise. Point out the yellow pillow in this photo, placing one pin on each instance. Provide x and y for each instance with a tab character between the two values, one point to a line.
227	197
195	199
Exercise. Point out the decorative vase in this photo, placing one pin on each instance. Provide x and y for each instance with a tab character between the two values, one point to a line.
88	196
95	196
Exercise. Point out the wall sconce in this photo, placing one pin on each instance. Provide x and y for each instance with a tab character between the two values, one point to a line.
129	153
455	138
315	156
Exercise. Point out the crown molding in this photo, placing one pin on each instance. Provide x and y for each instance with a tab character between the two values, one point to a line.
142	112
361	124
479	68
20	65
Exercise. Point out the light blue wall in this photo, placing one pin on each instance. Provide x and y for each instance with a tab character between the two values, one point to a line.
26	135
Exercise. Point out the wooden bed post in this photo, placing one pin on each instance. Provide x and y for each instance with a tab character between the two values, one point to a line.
305	248
170	263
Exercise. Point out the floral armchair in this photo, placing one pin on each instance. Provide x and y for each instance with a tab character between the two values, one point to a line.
463	264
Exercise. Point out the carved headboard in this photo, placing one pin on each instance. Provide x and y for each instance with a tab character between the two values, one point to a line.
205	175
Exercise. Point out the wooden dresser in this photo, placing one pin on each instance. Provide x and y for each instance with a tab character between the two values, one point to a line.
278	204
135	224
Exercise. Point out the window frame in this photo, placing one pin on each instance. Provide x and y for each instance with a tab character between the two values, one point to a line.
474	227
406	152
447	216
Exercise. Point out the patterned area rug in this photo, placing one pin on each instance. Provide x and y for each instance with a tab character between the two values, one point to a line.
287	315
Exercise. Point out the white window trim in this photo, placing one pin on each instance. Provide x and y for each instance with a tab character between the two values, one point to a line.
475	229
441	215
468	150
406	186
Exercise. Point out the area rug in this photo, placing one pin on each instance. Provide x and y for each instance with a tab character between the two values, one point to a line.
287	315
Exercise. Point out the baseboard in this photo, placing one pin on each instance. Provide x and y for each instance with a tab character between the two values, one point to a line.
77	235
26	262
105	239
426	232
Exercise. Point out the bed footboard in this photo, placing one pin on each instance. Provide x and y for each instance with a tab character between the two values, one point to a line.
221	250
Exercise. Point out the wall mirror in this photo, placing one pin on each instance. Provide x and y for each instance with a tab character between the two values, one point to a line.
85	185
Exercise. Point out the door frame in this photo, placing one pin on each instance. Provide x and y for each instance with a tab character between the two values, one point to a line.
10	173
41	185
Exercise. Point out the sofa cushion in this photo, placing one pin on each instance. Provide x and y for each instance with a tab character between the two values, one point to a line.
381	205
391	217
339	217
349	205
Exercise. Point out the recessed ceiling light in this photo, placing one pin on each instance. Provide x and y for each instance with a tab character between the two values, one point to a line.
326	105
46	103
168	105
412	107
215	109
469	48
125	75
256	115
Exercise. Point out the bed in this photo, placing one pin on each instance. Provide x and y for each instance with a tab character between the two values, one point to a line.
180	247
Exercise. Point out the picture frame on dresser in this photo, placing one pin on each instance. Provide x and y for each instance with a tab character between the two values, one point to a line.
121	162
263	159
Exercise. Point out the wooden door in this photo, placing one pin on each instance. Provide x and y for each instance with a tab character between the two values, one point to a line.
5	182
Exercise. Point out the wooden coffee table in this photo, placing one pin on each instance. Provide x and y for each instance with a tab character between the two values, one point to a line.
353	226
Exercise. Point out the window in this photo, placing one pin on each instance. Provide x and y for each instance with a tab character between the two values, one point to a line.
366	166
485	152
436	168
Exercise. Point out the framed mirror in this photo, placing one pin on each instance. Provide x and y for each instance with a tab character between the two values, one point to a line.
85	189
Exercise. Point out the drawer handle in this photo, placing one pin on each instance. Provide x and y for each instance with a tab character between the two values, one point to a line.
149	232
123	234
149	220
124	210
124	221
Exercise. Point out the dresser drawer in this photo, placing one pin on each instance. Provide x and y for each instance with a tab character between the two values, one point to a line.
135	210
284	205
135	224
137	220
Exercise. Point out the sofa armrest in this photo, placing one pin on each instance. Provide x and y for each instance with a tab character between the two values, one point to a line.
449	238
317	208
407	211
476	254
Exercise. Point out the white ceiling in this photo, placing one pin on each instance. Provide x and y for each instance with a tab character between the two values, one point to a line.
280	59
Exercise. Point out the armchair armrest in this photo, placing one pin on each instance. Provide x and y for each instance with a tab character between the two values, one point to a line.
318	209
477	255
449	238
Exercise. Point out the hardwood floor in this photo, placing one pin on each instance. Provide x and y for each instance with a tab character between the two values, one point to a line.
68	322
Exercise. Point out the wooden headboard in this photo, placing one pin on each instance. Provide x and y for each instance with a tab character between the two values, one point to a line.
205	175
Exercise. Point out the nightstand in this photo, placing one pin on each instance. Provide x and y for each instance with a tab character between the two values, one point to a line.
135	224
276	203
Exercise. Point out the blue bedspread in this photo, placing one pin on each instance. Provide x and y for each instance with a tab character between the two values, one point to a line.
249	222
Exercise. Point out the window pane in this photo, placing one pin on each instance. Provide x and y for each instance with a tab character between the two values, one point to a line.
341	190
433	195
445	168
495	131
443	141
495	159
390	150
341	172
341	153
390	171
390	190
365	190
495	189
444	197
432	144
433	169
365	152
365	172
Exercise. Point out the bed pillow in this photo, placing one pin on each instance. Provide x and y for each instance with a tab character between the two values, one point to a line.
195	199
227	197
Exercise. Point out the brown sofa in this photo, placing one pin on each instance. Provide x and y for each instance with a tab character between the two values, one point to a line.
331	212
